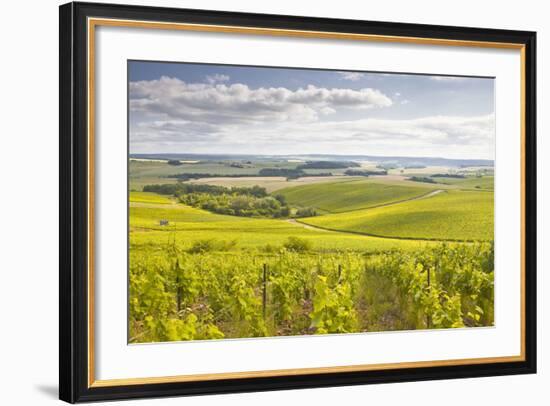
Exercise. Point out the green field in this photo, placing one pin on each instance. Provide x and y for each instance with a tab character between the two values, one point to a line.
448	215
271	184
361	264
483	183
150	172
145	197
188	225
351	195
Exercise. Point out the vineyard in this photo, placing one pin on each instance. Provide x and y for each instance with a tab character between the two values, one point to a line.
198	294
219	258
270	202
339	197
445	215
188	224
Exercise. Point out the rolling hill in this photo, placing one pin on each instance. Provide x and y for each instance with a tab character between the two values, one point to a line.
340	197
448	215
188	225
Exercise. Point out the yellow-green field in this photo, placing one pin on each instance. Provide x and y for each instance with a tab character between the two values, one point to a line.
351	195
383	253
186	225
146	197
447	215
472	182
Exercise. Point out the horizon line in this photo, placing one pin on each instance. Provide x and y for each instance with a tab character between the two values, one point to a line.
310	154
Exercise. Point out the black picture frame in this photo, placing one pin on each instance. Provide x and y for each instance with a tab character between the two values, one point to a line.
74	199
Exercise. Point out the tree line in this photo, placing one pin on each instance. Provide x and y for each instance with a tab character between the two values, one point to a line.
235	201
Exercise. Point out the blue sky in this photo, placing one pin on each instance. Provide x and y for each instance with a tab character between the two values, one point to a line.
200	108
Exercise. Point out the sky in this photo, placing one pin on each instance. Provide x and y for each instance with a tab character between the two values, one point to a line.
223	109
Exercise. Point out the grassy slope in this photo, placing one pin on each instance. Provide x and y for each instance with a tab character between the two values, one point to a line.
483	183
452	214
137	184
153	168
271	184
353	195
188	224
151	172
146	197
145	173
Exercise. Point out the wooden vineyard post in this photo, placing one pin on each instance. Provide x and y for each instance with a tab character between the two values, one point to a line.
178	295
339	273
264	291
179	292
428	319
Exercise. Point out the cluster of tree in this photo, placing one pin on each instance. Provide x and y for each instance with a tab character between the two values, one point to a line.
245	205
357	172
264	172
247	164
305	212
289	173
387	166
177	189
424	179
164	189
448	175
235	201
188	176
174	162
328	165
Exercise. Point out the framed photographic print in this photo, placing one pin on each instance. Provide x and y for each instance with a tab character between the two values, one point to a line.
258	202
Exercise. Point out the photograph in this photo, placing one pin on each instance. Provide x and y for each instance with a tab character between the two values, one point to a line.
285	201
254	201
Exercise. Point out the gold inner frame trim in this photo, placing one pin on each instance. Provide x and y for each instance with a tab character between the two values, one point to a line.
94	22
299	371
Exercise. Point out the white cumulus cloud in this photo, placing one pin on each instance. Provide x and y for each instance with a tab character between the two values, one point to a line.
170	115
237	103
217	78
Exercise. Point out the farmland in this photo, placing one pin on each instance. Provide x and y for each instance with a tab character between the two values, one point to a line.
271	184
188	225
307	255
482	183
339	197
448	215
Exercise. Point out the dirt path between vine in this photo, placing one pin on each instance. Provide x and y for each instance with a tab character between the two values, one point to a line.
307	226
